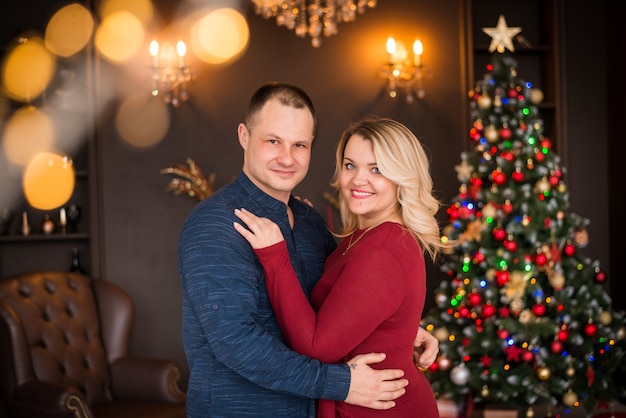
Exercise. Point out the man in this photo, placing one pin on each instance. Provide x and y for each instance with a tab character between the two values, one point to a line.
239	364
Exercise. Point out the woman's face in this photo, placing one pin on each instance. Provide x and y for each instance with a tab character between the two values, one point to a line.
370	195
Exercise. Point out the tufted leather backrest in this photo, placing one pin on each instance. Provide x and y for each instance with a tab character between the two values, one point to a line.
59	314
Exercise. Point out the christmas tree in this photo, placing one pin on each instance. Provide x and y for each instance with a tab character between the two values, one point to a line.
523	318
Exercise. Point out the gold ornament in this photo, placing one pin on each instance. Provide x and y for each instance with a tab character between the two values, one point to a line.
193	182
484	102
464	171
530	413
605	317
570	372
484	392
491	134
542	185
556	279
516	286
472	232
441	334
570	398
536	96
543	373
526	317
489	211
502	36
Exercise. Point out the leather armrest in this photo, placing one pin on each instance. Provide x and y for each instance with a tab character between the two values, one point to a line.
45	399
146	379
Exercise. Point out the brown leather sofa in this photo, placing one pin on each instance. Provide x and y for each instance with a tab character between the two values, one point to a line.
64	352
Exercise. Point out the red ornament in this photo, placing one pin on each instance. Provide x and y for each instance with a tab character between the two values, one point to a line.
513	353
474	299
546	143
510	245
505	133
562	335
528	356
554	181
539	156
499	234
507	207
507	155
498	177
486	361
591	329
464	212
539	309
476	181
502	334
464	311
475	134
488	310
556	347
600	276
518	176
502	278
541	259
479	257
569	250
453	213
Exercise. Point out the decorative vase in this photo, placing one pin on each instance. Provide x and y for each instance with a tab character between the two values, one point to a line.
25	225
47	226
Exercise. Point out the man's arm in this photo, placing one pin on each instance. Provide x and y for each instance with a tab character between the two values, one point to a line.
372	388
426	348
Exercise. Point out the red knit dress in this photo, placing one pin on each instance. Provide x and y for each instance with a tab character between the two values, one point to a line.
369	299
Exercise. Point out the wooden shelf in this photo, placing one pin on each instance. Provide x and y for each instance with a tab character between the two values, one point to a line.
79	236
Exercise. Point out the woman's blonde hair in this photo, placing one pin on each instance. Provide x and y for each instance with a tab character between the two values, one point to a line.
401	158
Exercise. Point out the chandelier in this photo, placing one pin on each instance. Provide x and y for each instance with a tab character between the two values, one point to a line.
170	74
312	17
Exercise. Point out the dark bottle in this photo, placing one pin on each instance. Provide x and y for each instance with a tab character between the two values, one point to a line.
75	267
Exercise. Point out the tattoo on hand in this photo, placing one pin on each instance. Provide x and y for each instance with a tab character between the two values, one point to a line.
352	366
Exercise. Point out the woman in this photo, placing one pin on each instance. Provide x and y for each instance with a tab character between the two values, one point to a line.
371	295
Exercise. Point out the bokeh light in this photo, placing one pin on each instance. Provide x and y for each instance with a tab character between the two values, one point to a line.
120	36
27	69
27	132
48	181
220	36
143	120
69	30
141	9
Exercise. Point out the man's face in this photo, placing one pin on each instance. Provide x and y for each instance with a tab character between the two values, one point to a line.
277	148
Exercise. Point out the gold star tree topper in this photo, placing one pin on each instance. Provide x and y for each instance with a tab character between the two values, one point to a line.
502	36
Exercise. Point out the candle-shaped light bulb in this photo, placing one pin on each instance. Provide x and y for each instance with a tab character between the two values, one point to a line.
154	51
391	48
181	50
418	49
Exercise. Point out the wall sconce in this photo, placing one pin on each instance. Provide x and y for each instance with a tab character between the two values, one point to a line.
170	75
404	72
